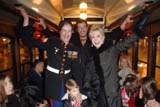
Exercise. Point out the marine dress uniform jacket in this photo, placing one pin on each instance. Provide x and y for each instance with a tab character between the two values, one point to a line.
60	57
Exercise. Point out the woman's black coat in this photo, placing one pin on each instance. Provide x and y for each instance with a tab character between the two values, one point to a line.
106	67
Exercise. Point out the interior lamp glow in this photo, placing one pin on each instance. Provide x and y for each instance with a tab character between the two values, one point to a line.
83	16
83	5
129	1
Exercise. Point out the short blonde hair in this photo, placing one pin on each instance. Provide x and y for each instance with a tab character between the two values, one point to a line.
70	84
96	28
126	57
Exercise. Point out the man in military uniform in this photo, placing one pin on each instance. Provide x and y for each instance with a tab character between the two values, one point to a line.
63	57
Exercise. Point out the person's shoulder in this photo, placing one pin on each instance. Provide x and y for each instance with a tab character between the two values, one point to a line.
75	35
65	97
127	69
54	39
75	38
13	101
32	72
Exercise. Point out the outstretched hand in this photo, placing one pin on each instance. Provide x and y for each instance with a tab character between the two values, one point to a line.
25	15
23	12
126	23
42	23
138	28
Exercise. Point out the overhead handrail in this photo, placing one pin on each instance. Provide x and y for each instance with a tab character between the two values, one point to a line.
149	7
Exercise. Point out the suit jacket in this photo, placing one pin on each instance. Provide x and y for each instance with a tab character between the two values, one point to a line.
36	80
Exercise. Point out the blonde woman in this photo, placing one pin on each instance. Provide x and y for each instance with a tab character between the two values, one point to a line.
125	68
106	61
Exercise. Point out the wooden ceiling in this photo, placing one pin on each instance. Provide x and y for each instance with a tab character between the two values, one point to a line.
56	10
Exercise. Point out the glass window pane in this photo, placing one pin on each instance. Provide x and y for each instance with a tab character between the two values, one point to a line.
35	53
45	54
24	53
130	53
24	59
5	54
143	49
158	52
157	77
142	69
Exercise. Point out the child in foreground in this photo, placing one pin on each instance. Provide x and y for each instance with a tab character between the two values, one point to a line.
73	97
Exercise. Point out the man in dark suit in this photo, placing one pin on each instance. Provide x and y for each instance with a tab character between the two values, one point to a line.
35	75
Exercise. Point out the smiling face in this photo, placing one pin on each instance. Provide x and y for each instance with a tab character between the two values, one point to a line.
124	63
82	29
96	35
66	33
74	92
8	86
97	39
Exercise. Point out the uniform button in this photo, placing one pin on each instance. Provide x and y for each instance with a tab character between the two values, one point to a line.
61	72
65	46
64	55
63	60
62	64
62	69
65	51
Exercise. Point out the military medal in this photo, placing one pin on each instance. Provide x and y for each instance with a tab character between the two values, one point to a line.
56	50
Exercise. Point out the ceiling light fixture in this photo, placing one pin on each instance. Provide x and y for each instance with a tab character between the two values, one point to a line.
83	16
83	10
83	5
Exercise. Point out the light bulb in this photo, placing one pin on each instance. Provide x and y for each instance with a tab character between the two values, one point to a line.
83	5
83	16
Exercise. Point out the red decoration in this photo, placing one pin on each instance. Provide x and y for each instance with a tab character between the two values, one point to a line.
37	34
128	33
128	29
129	26
37	26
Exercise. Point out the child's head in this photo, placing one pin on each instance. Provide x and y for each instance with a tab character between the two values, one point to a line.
124	61
148	88
131	84
72	88
6	87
